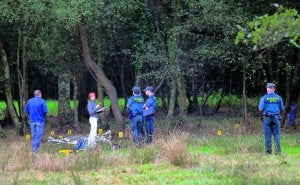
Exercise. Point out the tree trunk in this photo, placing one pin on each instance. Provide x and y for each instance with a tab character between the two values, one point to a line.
287	96
245	111
107	84
64	109
164	100
195	94
100	93
182	97
75	76
75	100
100	89
22	78
217	108
122	75
9	99
2	135
82	96
172	99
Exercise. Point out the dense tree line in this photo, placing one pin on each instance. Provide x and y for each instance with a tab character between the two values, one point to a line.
185	48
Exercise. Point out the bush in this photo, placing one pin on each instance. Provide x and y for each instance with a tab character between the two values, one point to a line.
175	150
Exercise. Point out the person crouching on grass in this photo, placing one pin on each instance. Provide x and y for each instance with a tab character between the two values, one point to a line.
93	110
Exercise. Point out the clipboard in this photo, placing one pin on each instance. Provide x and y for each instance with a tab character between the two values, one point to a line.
101	110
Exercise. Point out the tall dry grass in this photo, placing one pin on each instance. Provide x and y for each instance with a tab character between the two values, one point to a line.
174	148
49	162
242	161
15	155
142	156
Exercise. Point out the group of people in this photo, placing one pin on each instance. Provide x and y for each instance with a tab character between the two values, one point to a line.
140	112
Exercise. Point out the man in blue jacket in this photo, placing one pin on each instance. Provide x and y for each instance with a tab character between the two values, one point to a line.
135	106
37	109
271	105
149	113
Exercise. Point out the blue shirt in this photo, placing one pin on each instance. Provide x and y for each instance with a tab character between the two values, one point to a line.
135	104
91	107
151	104
271	104
37	109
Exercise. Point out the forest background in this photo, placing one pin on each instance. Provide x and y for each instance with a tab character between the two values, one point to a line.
188	50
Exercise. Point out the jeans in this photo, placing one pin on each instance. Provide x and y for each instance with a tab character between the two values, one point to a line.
271	126
37	130
93	132
149	120
136	125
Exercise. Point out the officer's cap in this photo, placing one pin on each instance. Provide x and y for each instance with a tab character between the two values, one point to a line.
270	85
149	88
136	90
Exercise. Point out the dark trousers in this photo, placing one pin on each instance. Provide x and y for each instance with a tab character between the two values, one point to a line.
271	127
136	124
149	122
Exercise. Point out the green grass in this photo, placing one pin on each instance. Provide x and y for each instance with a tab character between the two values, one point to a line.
202	157
228	100
53	105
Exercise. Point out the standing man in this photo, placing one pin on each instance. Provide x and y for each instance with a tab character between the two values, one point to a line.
271	105
36	108
149	113
135	106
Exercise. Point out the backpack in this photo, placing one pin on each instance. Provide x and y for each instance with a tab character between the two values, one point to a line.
81	144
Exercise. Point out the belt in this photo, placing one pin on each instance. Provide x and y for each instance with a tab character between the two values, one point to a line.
272	116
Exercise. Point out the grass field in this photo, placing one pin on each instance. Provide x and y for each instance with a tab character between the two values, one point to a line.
229	100
53	105
191	154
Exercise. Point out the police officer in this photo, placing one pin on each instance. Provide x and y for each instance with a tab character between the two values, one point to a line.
271	105
135	106
149	113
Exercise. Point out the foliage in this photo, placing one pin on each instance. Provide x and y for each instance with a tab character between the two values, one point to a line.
268	30
155	40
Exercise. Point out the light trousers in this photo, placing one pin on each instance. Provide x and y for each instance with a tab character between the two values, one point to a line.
93	132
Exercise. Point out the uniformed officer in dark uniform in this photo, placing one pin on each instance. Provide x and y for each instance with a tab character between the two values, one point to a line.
135	106
271	105
149	113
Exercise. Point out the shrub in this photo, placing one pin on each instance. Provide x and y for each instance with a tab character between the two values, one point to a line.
175	149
